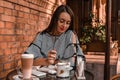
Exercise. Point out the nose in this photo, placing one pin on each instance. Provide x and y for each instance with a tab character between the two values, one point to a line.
65	24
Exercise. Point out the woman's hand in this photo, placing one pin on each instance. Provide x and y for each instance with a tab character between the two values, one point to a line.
52	56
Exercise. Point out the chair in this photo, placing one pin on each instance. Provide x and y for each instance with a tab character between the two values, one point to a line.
115	77
118	65
10	75
89	75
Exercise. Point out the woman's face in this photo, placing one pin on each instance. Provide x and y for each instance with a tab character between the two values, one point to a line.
64	21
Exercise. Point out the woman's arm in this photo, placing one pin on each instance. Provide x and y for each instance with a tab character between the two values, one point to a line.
50	59
41	61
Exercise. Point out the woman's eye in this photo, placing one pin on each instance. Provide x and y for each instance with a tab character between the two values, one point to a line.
62	21
68	23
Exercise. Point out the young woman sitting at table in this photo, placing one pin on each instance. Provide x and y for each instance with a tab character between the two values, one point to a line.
57	41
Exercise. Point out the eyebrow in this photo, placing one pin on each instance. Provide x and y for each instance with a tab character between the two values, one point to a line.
65	20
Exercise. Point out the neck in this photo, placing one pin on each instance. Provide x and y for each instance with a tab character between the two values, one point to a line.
55	32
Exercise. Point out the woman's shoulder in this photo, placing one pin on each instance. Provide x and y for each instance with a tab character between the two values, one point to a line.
70	33
40	35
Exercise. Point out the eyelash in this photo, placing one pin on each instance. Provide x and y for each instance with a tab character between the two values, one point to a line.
62	21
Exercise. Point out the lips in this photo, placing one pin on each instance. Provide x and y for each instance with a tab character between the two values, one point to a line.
62	29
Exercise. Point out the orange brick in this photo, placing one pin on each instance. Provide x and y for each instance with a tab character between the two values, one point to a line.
19	38
1	3
27	26
21	26
34	6
9	65
23	2
1	38
31	16
7	31
32	22
20	50
18	32
1	67
20	14
10	31
24	44
14	13
6	4
24	9
26	38
2	24
1	10
5	59
34	12
26	15
14	50
34	17
7	18
22	20
17	7
1	52
9	25
13	44
3	45
18	56
9	38
7	51
14	1
7	11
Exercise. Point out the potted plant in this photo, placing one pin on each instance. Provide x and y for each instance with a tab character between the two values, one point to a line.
93	30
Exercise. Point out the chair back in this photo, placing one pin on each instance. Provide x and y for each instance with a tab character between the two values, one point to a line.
10	75
115	77
118	65
89	75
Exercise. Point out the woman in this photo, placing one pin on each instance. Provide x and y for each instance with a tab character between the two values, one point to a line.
57	41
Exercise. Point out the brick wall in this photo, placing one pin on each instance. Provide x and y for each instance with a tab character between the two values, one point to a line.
20	20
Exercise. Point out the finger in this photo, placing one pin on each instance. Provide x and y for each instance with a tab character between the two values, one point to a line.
53	51
52	56
51	60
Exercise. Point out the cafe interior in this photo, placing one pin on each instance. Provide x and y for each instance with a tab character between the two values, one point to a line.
97	24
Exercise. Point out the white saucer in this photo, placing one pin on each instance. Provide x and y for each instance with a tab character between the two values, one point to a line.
52	71
18	77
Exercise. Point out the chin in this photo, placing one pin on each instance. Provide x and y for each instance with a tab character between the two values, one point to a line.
62	32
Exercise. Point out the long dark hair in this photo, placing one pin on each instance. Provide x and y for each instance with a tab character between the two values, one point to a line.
55	16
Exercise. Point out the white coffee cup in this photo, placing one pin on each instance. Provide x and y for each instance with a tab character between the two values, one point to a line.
27	62
63	69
